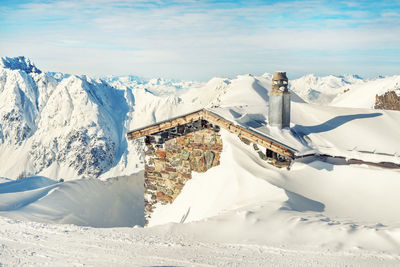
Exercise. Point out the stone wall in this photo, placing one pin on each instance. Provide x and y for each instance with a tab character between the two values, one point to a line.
390	100
169	166
269	156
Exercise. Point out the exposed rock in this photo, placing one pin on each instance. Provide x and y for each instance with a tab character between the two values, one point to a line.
390	100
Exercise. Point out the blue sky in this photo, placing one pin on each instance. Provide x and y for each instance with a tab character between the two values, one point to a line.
202	39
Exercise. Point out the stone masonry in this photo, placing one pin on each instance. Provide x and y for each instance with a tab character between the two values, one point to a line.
169	166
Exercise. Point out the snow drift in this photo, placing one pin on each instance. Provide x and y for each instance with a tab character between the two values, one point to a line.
87	202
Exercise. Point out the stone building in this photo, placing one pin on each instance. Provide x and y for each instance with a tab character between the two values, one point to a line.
192	143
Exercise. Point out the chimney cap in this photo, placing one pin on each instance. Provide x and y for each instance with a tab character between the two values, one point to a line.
279	75
279	82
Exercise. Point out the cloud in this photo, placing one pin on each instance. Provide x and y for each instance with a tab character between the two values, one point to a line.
199	39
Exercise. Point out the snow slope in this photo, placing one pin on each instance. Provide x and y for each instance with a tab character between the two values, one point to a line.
323	189
34	244
322	90
343	91
363	95
87	202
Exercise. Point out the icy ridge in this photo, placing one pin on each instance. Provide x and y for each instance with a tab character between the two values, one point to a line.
19	63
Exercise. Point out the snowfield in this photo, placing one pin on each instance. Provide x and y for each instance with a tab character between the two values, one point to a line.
244	212
31	243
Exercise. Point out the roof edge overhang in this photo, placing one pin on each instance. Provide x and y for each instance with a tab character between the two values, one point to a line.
205	114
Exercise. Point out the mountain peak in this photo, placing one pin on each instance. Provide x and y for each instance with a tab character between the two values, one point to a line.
19	63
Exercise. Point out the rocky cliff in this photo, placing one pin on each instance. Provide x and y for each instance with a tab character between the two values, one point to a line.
389	100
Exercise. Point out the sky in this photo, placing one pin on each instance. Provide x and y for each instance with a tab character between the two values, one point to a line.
198	40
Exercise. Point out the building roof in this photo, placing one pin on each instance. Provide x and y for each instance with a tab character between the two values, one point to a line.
215	117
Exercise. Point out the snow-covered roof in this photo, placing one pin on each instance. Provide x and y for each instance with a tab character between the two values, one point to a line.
256	122
364	134
216	116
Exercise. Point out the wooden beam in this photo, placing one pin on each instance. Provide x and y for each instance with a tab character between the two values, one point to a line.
164	125
241	132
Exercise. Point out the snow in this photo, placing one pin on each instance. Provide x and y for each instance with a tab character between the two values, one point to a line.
254	118
243	212
363	95
66	245
243	179
343	91
326	130
19	63
322	90
349	132
47	123
87	202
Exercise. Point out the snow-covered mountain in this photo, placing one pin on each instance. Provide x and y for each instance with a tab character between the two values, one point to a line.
49	123
344	91
157	86
19	63
364	95
321	90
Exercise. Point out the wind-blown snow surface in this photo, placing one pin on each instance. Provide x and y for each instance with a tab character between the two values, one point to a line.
87	202
243	212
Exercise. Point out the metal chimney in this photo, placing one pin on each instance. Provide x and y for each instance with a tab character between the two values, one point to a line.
279	101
